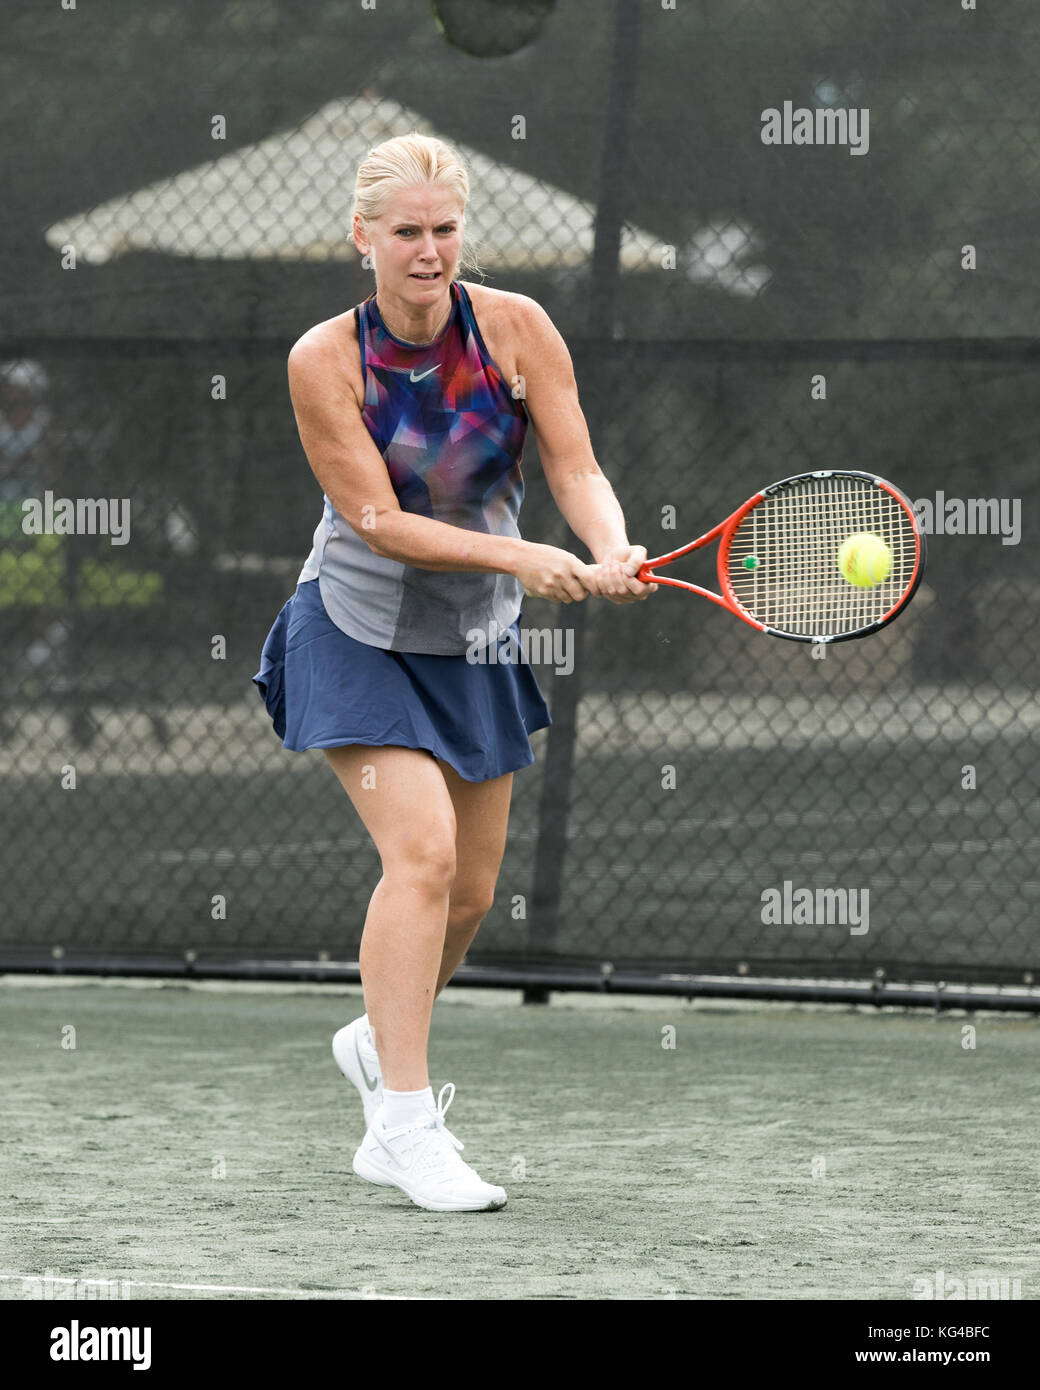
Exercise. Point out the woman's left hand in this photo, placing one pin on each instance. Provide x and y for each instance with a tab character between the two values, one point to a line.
614	577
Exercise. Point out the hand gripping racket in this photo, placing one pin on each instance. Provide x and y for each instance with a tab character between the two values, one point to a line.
778	557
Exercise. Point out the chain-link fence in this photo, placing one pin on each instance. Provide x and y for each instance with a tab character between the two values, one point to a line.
708	800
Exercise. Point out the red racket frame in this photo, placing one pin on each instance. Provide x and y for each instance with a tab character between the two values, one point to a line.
726	530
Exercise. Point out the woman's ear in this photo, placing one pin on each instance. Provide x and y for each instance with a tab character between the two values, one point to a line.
361	241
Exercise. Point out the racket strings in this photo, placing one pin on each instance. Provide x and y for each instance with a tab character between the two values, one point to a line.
782	561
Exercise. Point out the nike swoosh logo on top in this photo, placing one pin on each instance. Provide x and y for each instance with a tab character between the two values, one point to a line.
413	377
370	1084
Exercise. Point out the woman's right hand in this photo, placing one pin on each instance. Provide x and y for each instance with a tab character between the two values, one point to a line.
547	572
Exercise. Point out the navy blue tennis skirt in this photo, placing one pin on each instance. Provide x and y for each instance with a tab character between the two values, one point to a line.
323	689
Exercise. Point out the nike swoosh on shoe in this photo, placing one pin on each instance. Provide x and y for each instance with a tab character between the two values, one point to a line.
369	1082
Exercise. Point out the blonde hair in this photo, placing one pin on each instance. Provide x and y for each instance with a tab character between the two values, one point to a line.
404	162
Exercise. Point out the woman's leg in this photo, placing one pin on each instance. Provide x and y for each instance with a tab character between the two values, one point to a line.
481	818
403	800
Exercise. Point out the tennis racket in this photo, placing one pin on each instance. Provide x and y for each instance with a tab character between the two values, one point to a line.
778	557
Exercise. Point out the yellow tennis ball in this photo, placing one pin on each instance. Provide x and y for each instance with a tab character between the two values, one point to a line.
864	560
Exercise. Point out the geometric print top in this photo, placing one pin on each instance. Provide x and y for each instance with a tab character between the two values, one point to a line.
452	435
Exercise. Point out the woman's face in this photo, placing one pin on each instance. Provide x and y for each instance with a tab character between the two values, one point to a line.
415	244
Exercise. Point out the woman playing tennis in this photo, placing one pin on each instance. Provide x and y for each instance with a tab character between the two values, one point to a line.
412	409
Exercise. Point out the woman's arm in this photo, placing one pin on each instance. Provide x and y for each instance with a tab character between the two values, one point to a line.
353	475
579	488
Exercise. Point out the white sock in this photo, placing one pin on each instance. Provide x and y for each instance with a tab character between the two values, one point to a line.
407	1107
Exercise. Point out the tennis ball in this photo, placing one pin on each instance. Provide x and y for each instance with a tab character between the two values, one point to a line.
864	560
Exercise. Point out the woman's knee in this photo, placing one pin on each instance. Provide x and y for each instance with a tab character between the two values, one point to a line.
424	861
470	904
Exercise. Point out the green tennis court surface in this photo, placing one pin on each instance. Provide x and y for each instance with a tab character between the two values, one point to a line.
633	1170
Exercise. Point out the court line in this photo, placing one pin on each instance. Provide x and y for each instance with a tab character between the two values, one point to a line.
206	1288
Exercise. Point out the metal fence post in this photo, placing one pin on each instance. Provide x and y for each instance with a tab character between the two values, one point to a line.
554	805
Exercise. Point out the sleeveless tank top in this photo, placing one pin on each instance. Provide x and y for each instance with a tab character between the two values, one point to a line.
452	435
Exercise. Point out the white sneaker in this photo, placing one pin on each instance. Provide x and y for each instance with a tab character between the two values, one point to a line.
358	1060
421	1160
